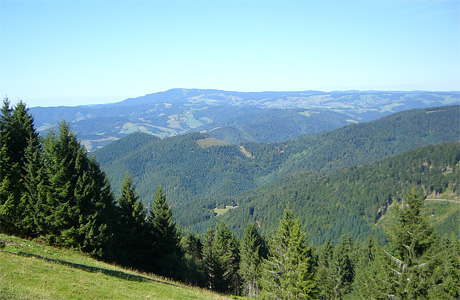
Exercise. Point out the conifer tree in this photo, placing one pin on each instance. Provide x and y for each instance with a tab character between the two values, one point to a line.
16	130
60	154
325	285
404	270
210	264
221	260
132	229
169	259
227	249
341	271
288	272
80	200
193	255
253	250
35	189
446	277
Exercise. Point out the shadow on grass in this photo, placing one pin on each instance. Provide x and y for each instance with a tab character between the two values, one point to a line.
118	274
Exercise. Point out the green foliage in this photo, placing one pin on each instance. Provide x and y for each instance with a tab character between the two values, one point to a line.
199	179
404	271
221	259
169	255
341	269
253	250
134	243
352	199
288	273
16	133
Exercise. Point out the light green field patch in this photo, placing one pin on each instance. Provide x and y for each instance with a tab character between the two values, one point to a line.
191	121
351	121
128	128
205	119
210	142
308	113
174	121
221	211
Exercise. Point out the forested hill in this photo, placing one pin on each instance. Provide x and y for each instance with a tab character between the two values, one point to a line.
233	116
198	173
354	199
366	142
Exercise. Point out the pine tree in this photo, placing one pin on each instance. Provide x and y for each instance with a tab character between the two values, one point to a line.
79	205
132	240
60	154
16	130
193	255
404	270
210	262
221	260
253	250
341	271
34	192
445	282
227	250
288	272
169	260
325	284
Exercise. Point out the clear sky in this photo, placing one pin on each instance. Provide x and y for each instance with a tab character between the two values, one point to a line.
87	52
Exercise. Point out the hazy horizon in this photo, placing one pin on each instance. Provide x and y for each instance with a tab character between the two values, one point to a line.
73	53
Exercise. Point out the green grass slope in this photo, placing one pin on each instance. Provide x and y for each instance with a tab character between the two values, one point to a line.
30	270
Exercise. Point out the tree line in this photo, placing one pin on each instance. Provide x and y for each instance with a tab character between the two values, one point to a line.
51	190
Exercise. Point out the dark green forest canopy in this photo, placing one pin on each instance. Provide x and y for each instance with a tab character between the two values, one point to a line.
198	179
355	198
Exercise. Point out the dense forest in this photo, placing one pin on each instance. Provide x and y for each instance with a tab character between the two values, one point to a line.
199	176
51	190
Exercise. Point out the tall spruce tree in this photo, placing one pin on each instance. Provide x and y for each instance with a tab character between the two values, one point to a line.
288	273
16	132
324	258
227	248
80	200
404	270
132	233
221	260
445	281
169	258
341	271
253	250
210	262
60	151
35	189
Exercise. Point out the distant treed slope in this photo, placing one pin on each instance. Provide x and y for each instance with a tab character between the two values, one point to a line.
185	168
233	116
276	125
354	198
366	142
197	178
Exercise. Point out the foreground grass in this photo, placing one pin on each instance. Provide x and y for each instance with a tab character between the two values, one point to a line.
30	270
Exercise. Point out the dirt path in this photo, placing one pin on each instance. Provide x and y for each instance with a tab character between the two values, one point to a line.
446	200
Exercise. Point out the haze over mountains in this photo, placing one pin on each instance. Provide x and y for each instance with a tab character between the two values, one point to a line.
233	117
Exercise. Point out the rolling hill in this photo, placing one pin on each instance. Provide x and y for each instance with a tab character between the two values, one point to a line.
233	116
199	172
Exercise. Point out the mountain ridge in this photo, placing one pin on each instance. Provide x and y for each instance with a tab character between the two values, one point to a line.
244	116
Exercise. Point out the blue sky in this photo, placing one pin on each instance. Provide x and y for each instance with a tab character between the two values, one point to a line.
87	52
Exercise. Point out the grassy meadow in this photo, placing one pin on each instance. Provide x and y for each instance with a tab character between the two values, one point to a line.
31	270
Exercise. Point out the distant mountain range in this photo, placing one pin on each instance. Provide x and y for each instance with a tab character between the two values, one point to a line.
233	117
